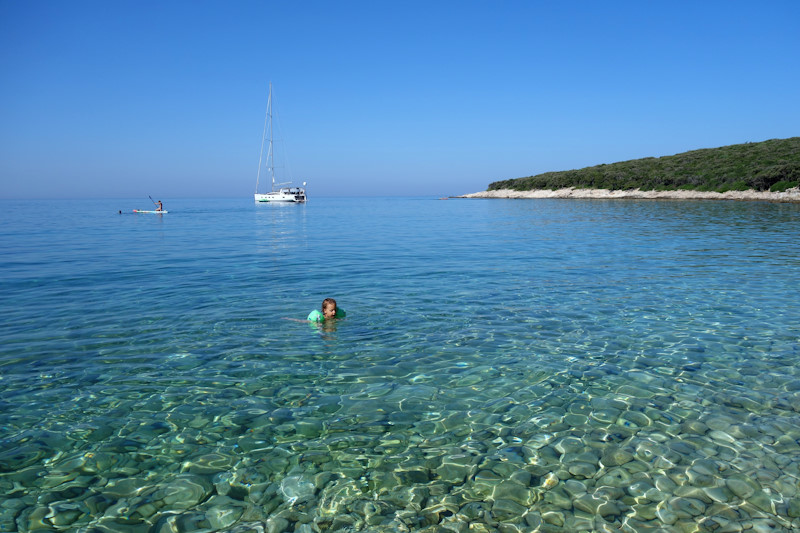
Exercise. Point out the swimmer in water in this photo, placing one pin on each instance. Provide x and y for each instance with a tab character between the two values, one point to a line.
329	311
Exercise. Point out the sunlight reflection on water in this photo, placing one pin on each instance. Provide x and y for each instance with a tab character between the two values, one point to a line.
551	364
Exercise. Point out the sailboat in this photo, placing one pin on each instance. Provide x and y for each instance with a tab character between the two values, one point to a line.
281	192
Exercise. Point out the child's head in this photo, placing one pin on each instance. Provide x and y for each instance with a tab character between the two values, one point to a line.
329	308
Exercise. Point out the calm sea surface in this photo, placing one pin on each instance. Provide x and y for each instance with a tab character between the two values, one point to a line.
505	365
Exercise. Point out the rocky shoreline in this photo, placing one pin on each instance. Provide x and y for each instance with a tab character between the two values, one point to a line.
790	195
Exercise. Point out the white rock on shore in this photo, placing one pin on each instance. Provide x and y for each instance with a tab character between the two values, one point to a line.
790	195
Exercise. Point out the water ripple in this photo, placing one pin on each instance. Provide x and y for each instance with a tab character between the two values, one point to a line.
542	365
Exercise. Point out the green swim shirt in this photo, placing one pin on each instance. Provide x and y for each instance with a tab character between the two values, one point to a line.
317	316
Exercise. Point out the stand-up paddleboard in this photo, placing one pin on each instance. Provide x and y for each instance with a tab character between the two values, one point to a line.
154	212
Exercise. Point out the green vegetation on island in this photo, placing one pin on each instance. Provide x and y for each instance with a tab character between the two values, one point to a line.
772	165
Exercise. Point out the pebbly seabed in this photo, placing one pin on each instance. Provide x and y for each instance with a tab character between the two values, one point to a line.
504	367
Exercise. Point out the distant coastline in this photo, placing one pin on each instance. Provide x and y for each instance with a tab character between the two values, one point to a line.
789	195
762	171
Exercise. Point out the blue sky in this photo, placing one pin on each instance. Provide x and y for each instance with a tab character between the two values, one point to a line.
123	99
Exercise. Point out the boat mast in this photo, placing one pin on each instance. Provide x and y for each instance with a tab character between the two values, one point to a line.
270	154
267	121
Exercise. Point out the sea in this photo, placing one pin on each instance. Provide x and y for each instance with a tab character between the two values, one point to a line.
504	365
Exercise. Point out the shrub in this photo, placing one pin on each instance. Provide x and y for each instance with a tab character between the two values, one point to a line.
768	177
781	186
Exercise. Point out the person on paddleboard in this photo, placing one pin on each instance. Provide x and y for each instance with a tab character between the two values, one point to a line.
159	206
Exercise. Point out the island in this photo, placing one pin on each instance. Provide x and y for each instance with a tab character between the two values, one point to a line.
768	170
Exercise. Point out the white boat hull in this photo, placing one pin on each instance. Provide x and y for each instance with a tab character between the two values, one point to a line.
293	195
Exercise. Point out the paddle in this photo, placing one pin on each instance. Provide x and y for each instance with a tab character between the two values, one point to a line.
154	203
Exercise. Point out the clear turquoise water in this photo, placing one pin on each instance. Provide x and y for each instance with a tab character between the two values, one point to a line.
505	365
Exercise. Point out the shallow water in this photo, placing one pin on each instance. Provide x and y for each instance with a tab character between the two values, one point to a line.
505	365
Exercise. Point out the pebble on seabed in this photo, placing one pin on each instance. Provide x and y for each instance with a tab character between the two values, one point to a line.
646	459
